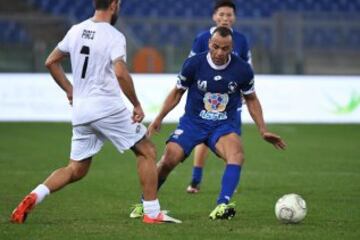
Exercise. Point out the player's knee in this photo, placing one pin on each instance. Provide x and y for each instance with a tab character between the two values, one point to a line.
242	159
77	172
170	160
151	151
145	149
166	164
236	158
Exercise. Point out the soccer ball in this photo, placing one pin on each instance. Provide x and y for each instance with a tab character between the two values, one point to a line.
290	208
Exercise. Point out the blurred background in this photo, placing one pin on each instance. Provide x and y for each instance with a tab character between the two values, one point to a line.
286	36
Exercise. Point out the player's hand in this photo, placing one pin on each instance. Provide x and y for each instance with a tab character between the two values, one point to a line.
154	127
274	140
69	96
138	114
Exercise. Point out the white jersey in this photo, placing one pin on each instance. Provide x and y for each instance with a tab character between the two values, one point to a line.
93	47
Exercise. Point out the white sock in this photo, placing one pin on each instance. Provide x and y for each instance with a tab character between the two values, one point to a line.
41	191
151	208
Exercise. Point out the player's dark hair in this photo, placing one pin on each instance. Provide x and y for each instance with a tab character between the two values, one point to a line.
223	31
224	3
103	4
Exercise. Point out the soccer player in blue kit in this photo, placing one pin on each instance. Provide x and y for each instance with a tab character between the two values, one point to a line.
215	81
224	15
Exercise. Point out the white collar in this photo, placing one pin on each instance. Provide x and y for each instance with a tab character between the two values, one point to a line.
217	67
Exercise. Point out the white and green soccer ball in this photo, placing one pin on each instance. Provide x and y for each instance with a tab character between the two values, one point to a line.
290	208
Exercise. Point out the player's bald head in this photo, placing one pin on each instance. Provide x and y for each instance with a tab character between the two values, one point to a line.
222	31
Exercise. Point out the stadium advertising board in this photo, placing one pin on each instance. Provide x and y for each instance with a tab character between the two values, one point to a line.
285	99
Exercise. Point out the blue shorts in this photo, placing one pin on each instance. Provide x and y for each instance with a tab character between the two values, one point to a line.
189	134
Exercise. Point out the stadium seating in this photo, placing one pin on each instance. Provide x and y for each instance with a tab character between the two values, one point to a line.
12	32
185	9
199	8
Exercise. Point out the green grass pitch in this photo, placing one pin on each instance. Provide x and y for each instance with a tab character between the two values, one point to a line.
321	163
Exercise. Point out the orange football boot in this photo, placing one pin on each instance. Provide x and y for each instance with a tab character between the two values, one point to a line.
161	218
21	211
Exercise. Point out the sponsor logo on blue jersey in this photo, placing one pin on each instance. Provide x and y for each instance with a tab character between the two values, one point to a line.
217	78
213	116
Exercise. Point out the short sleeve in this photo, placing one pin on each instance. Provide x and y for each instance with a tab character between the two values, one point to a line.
246	53
249	84
200	43
64	44
249	56
118	49
196	47
186	76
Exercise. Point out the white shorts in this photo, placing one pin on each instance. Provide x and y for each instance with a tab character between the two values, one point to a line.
88	139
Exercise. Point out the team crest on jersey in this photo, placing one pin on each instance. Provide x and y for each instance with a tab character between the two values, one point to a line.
215	105
215	102
217	78
232	87
138	128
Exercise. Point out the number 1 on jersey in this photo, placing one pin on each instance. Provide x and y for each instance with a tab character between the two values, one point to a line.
86	51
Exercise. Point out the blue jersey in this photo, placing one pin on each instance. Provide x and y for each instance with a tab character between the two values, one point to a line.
214	92
240	44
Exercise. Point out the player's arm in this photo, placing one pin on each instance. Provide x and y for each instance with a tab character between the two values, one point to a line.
127	86
125	82
53	63
255	110
171	101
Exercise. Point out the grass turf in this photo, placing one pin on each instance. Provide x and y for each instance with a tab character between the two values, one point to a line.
322	163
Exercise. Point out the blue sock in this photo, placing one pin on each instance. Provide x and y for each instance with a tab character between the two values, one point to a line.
229	182
196	176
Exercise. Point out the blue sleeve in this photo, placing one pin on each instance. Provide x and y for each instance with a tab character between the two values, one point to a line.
248	86
196	45
245	53
200	44
186	76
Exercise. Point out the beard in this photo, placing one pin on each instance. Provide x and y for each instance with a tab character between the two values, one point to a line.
114	18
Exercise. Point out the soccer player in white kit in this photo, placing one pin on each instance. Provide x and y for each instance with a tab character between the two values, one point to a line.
98	53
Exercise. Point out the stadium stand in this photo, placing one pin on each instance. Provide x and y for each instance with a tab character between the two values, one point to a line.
200	8
295	30
174	34
12	32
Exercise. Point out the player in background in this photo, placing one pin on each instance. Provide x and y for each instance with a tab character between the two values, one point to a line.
224	14
216	81
98	53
